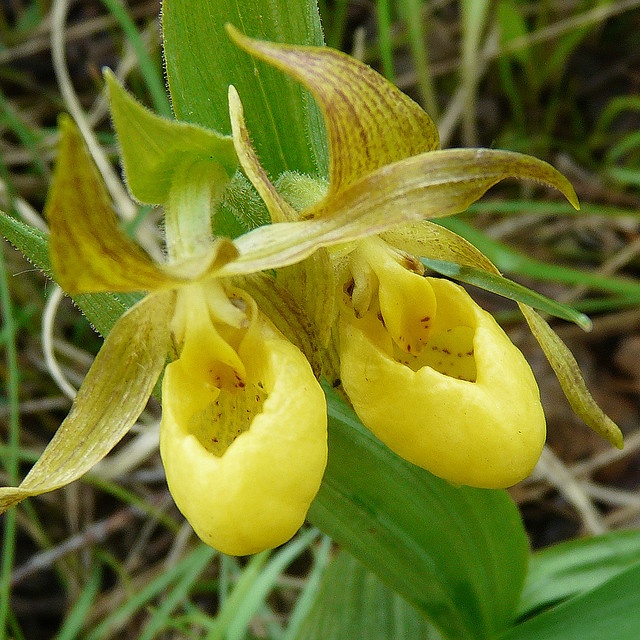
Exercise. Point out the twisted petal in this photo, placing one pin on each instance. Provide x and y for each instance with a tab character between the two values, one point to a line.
467	408
570	378
244	458
109	401
89	252
369	122
431	185
279	209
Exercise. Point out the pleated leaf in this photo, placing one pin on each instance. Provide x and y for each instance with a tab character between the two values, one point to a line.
457	554
354	603
202	61
574	567
609	611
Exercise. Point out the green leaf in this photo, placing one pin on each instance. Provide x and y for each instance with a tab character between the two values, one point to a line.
354	603
152	147
201	63
508	289
457	554
609	611
570	568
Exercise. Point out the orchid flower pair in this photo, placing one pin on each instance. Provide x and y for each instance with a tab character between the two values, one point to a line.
333	286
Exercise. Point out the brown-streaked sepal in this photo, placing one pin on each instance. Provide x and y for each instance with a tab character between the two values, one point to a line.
369	122
89	251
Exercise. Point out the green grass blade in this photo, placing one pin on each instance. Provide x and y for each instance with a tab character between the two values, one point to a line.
474	18
309	593
383	13
250	574
508	289
27	137
150	72
198	562
411	11
73	624
10	460
253	587
195	561
512	261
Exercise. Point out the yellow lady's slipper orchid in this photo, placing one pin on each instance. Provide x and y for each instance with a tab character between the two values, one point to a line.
475	418
244	426
243	434
434	376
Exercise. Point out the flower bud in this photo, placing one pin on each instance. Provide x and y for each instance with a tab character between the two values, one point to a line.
459	399
244	429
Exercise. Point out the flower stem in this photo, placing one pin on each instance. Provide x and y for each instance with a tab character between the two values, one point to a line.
195	187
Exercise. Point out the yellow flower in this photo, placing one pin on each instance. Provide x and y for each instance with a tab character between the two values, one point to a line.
387	176
434	376
243	436
244	426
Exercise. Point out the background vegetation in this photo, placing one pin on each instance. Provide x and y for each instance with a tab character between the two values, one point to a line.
111	556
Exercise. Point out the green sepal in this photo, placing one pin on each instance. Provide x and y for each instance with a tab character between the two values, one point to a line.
152	147
508	289
370	123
